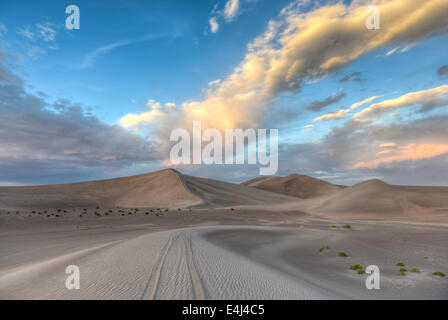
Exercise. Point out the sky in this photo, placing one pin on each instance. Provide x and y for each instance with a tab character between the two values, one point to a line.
350	103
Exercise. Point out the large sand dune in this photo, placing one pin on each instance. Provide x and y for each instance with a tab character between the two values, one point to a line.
295	185
167	189
375	199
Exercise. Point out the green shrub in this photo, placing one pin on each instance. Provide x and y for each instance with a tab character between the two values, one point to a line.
415	269
346	226
356	266
342	254
333	226
438	273
402	273
323	248
403	270
400	264
361	271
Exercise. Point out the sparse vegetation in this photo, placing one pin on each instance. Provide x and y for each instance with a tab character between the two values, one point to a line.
361	271
402	273
342	254
415	269
323	248
346	226
400	264
333	226
438	273
356	266
403	270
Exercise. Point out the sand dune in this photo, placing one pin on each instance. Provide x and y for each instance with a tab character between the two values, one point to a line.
375	199
167	189
157	189
295	185
222	194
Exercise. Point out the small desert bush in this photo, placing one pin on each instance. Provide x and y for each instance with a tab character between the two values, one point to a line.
361	271
323	248
346	226
402	273
333	226
400	264
403	270
438	273
356	266
415	269
342	254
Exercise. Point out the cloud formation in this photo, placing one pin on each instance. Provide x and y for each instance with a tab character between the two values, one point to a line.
322	104
214	26
59	139
306	46
425	100
231	9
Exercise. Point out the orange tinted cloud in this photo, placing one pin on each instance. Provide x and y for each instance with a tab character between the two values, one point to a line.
403	153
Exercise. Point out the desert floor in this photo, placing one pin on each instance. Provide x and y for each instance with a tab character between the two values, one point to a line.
215	254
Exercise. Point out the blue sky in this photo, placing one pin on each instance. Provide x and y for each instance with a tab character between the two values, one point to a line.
127	53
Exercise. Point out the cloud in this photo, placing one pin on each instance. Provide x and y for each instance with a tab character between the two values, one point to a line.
443	71
26	32
388	145
89	59
336	115
157	112
46	31
426	100
59	140
354	76
354	152
303	46
231	9
363	102
408	152
321	104
339	114
214	26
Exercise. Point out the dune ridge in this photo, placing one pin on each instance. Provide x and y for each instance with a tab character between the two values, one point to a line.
167	188
295	185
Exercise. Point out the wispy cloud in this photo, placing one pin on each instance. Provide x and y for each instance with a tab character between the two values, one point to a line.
231	9
89	59
214	26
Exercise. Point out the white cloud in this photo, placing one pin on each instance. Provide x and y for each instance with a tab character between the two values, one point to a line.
425	100
363	102
26	32
214	26
231	9
336	115
46	32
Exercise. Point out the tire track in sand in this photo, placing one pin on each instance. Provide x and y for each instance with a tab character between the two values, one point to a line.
198	289
154	278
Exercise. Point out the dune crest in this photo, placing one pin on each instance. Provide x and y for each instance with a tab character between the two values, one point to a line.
295	185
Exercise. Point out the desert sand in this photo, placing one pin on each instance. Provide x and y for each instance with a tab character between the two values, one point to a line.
166	235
